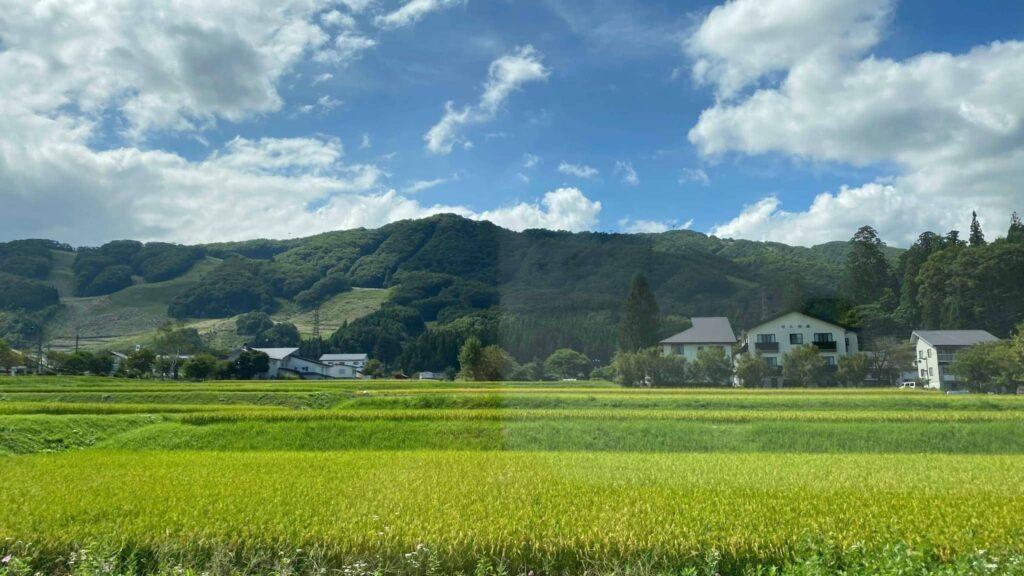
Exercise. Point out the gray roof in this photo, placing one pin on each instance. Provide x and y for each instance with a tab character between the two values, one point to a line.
277	353
705	331
953	337
342	357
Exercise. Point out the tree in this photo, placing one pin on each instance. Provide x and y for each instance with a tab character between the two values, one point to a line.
8	358
1016	232
803	367
200	366
752	370
853	370
868	273
639	327
373	368
977	237
253	323
495	364
987	367
470	355
251	363
172	340
140	363
283	335
711	367
567	363
649	368
890	358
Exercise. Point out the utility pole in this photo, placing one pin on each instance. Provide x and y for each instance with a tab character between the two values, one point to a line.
77	334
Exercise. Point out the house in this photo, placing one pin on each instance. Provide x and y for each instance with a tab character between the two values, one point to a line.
428	376
285	362
775	337
715	333
937	349
117	359
357	361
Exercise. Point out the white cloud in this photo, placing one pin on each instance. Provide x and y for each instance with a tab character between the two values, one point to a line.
364	143
411	12
531	161
506	75
421	185
562	209
163	66
578	170
321	78
697	175
629	175
523	177
338	19
949	126
630	226
358	6
741	41
346	48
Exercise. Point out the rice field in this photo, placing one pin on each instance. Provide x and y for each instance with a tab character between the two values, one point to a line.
396	477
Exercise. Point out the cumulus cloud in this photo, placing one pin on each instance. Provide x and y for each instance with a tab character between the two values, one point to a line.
166	66
562	209
530	161
950	124
411	12
345	49
629	175
578	170
506	75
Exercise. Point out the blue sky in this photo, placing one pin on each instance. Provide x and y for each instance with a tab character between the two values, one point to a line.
790	120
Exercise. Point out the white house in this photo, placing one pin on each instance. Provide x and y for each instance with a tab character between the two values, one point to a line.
774	338
937	349
715	333
284	361
357	361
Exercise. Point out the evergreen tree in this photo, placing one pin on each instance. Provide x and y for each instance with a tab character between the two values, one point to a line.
977	236
868	273
639	327
1016	232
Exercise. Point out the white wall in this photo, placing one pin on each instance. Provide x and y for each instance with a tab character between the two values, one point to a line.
806	327
928	366
690	351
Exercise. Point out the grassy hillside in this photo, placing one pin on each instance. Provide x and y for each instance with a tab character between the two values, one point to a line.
569	287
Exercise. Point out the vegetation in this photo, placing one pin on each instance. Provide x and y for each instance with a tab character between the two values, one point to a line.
18	293
569	477
639	328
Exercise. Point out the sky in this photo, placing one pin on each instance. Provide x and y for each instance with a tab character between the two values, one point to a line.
788	120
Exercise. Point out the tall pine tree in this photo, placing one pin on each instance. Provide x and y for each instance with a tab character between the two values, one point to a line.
868	273
977	237
1016	232
639	328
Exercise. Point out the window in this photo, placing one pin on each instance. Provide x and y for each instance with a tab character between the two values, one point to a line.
765	338
920	354
824	337
931	371
929	352
796	339
830	360
947	356
924	373
772	362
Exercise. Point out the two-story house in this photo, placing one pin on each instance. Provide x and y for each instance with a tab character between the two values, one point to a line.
936	350
774	338
715	333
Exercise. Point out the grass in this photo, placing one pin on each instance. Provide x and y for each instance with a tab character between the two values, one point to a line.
401	477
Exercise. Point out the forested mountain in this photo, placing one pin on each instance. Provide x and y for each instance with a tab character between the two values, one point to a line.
534	291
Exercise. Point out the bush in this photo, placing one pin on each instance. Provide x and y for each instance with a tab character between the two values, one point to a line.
157	261
323	290
253	323
282	335
200	367
567	363
649	367
108	281
18	293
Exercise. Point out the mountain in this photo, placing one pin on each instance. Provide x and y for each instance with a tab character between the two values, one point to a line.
532	291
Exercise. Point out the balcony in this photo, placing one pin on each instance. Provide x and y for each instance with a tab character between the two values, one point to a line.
825	346
766	347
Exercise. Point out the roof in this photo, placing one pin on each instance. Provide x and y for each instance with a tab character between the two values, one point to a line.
277	353
953	337
705	331
777	316
342	357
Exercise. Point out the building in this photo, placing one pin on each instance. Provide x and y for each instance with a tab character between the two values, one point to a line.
715	333
284	363
774	338
937	349
357	361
